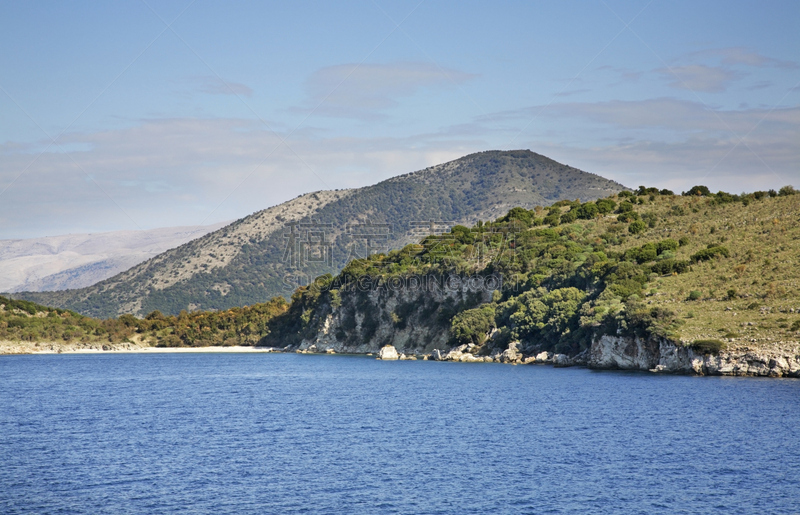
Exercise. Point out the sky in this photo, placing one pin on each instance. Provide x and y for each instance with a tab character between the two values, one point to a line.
141	114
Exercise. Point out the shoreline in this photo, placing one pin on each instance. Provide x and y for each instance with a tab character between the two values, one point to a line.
28	348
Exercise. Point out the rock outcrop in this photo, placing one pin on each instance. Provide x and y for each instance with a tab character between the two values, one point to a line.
410	319
388	353
664	356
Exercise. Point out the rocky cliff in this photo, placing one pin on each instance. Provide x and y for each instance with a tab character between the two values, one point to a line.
413	317
661	355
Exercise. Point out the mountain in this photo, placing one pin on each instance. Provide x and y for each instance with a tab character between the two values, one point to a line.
78	260
273	251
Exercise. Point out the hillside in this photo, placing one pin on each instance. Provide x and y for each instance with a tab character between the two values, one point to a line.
696	282
78	260
247	261
29	327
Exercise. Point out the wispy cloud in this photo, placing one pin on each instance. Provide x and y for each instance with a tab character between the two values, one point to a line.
215	86
667	141
363	91
176	171
699	77
743	56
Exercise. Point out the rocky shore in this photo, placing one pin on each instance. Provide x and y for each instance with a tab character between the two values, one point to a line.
655	355
626	353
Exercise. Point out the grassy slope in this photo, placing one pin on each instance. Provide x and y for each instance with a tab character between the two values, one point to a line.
578	278
763	268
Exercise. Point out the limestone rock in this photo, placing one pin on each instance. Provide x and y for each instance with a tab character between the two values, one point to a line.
562	360
388	353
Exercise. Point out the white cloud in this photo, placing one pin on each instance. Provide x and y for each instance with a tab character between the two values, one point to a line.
667	142
681	116
362	91
176	171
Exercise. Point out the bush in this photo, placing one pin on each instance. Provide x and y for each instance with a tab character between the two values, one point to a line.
625	207
710	253
519	213
786	191
695	295
731	293
665	245
605	206
587	211
569	217
472	325
701	191
796	325
552	219
630	216
708	346
636	227
669	266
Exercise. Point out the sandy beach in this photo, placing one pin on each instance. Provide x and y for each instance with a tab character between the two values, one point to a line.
7	348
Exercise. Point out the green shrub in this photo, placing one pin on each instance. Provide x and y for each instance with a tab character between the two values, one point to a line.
605	205
625	207
796	325
669	266
552	219
636	227
786	191
695	295
731	293
707	346
701	191
569	217
668	244
472	325
630	216
710	253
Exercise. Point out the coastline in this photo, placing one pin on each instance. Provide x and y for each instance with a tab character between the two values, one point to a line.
614	353
16	348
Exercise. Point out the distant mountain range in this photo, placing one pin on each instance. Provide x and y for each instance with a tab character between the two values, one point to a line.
78	260
272	251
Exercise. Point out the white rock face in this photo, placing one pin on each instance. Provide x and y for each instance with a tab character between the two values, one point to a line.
388	353
667	357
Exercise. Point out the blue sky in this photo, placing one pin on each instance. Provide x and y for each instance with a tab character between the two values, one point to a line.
145	114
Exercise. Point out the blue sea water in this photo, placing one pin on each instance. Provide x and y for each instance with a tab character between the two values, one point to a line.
285	433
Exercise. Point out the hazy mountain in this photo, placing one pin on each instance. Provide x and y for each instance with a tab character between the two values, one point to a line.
79	260
262	255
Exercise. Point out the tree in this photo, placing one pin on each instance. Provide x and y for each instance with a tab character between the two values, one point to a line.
701	191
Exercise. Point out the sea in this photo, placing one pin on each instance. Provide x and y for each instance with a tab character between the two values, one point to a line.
297	434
